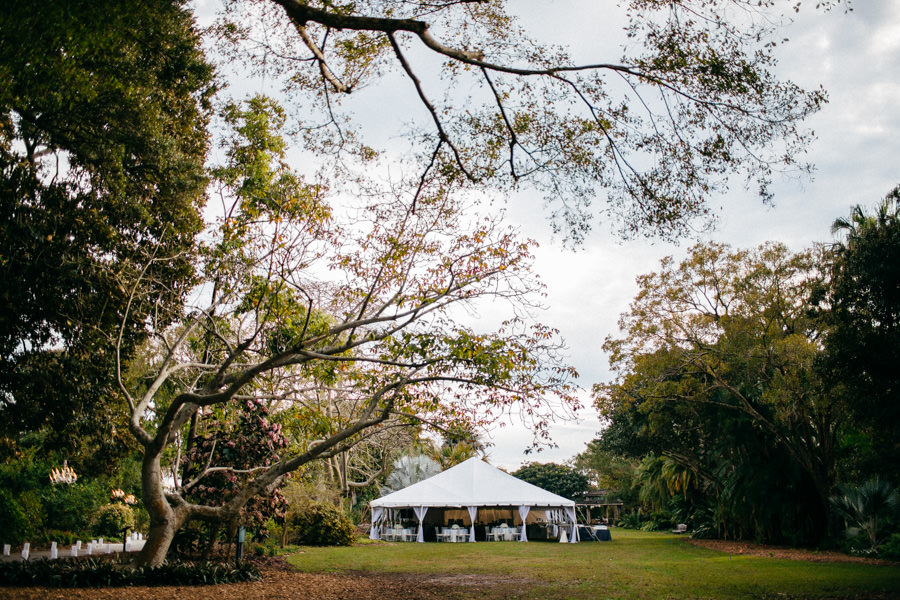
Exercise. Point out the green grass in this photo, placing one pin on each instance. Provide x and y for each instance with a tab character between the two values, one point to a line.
634	565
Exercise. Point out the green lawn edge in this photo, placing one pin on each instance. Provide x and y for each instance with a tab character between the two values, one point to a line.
635	565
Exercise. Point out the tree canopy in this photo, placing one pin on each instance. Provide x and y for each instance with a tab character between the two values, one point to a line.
558	479
300	303
103	139
654	133
716	374
862	308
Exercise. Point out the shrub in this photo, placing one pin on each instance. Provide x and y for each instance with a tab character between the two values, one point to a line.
63	538
111	519
107	573
72	507
890	549
16	526
322	524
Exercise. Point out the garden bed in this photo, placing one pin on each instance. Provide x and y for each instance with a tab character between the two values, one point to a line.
785	552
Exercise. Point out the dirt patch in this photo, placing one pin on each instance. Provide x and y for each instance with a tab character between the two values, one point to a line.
784	552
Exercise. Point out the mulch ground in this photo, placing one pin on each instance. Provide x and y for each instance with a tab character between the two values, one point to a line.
749	549
282	582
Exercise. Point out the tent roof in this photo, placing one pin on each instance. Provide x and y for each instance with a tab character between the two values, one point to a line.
471	483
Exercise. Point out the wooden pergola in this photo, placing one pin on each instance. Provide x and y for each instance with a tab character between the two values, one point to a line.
598	501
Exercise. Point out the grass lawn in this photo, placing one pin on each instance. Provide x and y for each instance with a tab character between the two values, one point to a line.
634	565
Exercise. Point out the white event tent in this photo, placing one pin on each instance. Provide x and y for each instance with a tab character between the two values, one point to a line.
474	485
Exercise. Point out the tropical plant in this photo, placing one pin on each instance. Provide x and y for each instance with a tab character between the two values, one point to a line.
866	508
410	469
631	520
861	306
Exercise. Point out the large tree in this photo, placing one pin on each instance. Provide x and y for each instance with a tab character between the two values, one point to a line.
862	304
297	298
692	100
117	93
103	114
562	480
716	373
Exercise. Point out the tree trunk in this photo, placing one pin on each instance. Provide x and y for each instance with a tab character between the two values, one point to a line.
158	541
165	520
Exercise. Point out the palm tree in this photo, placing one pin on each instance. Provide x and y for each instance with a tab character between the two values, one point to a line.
859	222
410	469
864	508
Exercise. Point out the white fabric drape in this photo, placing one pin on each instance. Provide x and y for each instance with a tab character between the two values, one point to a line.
523	512
377	512
473	510
570	514
420	515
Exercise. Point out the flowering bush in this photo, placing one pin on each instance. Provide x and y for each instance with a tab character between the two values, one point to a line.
120	496
247	441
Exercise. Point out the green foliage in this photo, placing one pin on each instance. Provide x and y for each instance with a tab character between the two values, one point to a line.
862	309
103	140
107	573
64	538
631	520
558	479
890	548
567	136
72	507
17	526
658	521
718	381
867	508
49	508
612	471
112	519
321	524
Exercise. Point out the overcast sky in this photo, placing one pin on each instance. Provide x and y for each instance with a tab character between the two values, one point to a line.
855	56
